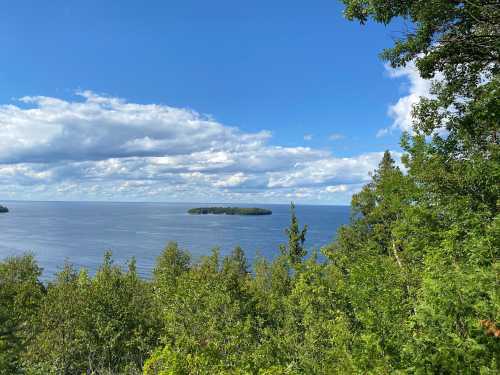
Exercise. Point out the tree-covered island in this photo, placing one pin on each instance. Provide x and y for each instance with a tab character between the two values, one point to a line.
229	211
3	209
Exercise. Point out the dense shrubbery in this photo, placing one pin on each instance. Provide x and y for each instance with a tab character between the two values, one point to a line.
410	286
75	323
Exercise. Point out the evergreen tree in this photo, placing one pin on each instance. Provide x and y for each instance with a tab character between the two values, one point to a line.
295	250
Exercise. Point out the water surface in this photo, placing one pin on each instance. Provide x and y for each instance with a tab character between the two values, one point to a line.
80	232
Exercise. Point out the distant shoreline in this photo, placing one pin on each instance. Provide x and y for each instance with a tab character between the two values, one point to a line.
229	211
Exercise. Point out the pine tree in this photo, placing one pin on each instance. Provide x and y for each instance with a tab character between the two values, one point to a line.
295	250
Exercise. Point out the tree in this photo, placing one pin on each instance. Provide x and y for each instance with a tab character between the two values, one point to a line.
295	250
452	212
368	256
457	41
207	319
102	324
21	294
170	265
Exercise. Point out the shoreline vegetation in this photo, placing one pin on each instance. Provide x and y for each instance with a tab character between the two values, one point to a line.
409	286
3	209
229	211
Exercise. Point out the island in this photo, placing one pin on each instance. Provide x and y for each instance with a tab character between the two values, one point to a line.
229	211
3	209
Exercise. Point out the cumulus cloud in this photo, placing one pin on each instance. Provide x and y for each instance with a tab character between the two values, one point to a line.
101	147
101	127
416	87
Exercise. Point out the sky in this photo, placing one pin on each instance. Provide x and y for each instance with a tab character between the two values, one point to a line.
190	101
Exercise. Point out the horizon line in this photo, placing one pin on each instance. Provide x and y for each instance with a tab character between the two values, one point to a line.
169	202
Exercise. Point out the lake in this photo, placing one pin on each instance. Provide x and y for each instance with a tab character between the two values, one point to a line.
80	232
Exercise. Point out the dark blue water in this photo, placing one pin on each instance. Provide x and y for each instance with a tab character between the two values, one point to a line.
80	232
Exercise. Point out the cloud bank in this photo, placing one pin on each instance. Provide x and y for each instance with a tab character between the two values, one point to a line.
100	147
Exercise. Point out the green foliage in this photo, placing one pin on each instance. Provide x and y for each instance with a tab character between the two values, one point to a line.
445	232
20	297
101	324
171	264
206	316
457	41
295	250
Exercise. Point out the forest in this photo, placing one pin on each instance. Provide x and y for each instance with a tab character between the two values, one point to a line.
410	286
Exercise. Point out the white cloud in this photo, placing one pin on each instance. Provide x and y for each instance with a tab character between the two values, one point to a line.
308	137
231	181
327	171
100	147
102	127
400	111
335	136
336	188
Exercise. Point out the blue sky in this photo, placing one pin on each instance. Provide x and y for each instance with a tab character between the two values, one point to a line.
293	81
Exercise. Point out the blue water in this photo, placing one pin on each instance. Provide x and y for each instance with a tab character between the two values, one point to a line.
80	232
